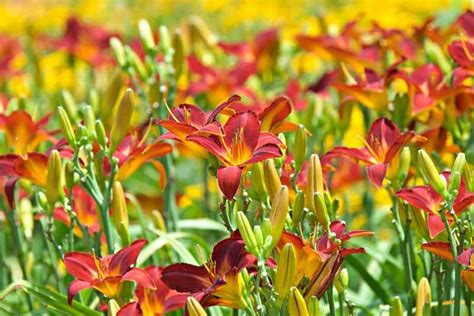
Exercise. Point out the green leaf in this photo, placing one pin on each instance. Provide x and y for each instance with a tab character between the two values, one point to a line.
202	224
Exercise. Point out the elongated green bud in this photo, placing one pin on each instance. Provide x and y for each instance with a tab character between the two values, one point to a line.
315	182
430	173
200	32
257	231
122	119
279	212
247	233
266	227
146	35
194	308
313	306
456	172
258	181
300	147
165	41
66	127
342	280
396	307
158	220
423	298
468	177
120	213
69	175
285	273
321	210
89	120
296	304
179	54
69	105
136	63
119	51
100	133
404	166
298	209
272	179
54	187
26	217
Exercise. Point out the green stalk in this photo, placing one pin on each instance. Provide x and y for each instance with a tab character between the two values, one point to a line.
457	266
330	297
341	304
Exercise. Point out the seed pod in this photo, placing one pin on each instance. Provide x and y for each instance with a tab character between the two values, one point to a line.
396	307
285	273
313	306
247	233
194	308
298	209
431	174
342	281
272	179
279	212
119	51
258	181
54	186
300	147
423	298
120	213
321	210
296	304
179	54
66	127
122	119
146	35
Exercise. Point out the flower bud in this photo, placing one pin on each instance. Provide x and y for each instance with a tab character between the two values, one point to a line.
298	209
113	308
314	181
89	119
111	98
136	63
100	133
165	41
257	231
404	166
26	217
272	179
69	175
468	177
194	308
146	35
247	233
200	32
313	306
456	172
257	180
454	181
119	51
296	304
396	307
158	220
430	173
69	105
300	147
321	210
42	200
179	54
342	281
285	273
66	126
122	119
54	184
279	212
120	213
423	298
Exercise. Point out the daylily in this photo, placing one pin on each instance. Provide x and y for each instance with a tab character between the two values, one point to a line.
10	48
218	282
22	133
426	198
321	263
83	205
154	298
466	258
383	142
187	119
102	274
240	143
426	87
218	83
463	53
272	118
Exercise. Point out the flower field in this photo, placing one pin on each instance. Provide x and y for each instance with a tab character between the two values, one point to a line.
230	158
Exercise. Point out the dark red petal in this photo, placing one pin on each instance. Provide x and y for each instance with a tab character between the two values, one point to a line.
435	225
377	173
354	153
228	179
422	197
81	265
127	256
141	277
242	127
75	287
212	115
130	309
230	255
184	277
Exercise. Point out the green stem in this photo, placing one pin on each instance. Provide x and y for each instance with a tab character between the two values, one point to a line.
341	304
330	297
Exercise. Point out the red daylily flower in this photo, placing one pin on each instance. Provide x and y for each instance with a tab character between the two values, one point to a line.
218	282
217	83
154	298
426	87
9	49
240	143
463	53
383	142
426	198
22	133
272	118
466	258
103	274
320	265
188	119
83	205
86	42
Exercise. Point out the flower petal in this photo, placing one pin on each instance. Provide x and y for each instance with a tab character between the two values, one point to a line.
122	260
442	249
75	287
377	173
81	265
184	277
228	179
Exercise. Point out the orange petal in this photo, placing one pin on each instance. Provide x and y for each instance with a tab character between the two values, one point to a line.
34	168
